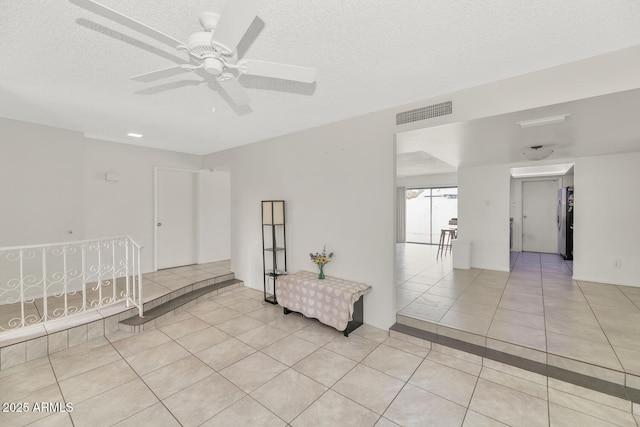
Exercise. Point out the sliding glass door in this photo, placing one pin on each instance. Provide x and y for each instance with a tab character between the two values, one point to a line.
429	210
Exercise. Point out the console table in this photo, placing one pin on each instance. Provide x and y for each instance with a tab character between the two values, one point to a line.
333	301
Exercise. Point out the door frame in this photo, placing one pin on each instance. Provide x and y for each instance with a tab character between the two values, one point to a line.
156	171
556	180
517	203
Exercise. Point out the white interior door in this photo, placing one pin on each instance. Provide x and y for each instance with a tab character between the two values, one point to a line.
176	218
539	206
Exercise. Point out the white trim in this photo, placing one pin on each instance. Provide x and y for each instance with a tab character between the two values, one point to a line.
520	212
155	218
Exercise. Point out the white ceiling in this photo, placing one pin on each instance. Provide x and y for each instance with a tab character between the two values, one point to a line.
594	126
63	66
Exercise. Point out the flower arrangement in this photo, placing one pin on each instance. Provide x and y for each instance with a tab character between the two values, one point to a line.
320	259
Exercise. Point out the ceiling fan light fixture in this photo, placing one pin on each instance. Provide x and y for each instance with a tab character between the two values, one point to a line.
213	66
214	49
225	77
543	121
537	152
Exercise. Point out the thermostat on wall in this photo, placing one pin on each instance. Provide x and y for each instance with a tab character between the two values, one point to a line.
110	176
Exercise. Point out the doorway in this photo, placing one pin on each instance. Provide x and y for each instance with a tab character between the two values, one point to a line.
176	217
539	225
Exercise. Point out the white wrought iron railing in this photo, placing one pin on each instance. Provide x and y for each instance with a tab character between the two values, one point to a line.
45	282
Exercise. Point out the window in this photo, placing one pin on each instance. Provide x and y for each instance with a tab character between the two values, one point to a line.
429	210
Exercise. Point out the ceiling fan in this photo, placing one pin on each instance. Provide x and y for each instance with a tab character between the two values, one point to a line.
214	49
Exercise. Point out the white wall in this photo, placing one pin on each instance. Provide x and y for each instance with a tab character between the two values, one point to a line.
41	175
214	216
483	214
126	206
338	185
53	181
567	180
607	209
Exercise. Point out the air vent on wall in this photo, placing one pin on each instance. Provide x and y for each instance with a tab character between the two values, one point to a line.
428	112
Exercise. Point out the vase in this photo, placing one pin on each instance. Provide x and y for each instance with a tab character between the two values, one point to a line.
321	274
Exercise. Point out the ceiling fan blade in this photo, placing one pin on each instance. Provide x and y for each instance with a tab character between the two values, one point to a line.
235	91
234	22
278	71
163	73
118	17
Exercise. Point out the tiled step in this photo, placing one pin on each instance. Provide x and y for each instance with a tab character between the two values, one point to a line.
614	383
25	344
173	305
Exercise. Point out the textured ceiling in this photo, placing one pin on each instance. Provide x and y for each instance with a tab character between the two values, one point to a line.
63	66
420	163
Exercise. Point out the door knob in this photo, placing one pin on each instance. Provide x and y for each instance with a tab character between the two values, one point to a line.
159	224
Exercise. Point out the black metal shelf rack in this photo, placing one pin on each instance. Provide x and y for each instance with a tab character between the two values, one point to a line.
274	246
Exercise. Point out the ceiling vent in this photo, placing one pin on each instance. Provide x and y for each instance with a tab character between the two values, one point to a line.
428	112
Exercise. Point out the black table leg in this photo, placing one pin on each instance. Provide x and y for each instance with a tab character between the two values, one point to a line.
358	317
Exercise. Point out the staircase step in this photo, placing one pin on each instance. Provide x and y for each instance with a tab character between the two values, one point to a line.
168	309
588	378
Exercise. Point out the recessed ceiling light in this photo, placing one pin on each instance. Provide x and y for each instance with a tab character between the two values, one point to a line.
134	135
543	121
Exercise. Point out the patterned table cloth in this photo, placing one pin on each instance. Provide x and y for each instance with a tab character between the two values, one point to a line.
330	300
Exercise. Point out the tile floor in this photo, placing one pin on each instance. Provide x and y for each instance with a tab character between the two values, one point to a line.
233	360
156	285
536	311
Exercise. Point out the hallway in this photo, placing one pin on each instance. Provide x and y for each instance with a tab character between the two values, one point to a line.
535	312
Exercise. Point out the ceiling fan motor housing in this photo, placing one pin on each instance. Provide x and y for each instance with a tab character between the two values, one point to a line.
214	57
213	66
213	49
